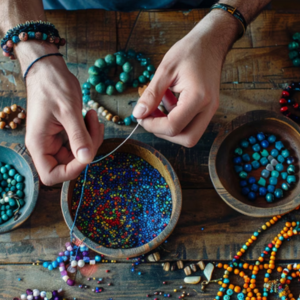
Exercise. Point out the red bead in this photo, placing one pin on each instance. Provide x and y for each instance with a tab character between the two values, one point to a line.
284	109
270	245
62	42
9	43
296	105
5	54
282	101
236	257
285	94
107	271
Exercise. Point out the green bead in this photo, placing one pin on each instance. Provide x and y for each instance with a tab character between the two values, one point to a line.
151	77
275	173
100	88
285	186
4	217
120	59
256	156
127	67
9	213
151	68
146	74
127	121
135	83
293	54
296	36
262	181
93	70
293	46
142	79
264	153
12	202
124	77
110	59
120	86
243	174
296	62
87	86
20	186
100	63
291	179
94	80
110	90
238	151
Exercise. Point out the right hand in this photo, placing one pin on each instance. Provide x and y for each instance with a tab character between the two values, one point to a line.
53	106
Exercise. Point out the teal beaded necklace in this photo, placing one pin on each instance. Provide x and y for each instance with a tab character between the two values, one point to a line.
294	48
99	78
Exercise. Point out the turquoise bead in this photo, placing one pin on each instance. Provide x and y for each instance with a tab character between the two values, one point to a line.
269	197
21	201
284	175
291	169
135	83
110	90
146	74
31	35
226	297
255	164
120	59
296	62
100	88
127	67
20	186
280	158
86	85
278	193
243	174
279	167
285	186
110	59
94	80
86	92
100	63
275	174
93	70
8	167
256	156
262	181
240	296
151	77
3	170
3	183
5	176
264	161
293	54
238	151
265	173
151	68
244	143
296	36
15	39
291	179
127	121
44	37
12	202
131	53
19	193
86	98
133	119
144	62
279	145
142	79
264	153
293	46
274	153
120	86
4	217
9	213
19	178
273	180
285	153
124	77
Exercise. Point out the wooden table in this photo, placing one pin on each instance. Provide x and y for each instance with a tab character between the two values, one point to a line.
254	73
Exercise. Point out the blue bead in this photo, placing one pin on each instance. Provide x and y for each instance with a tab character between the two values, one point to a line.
275	173
243	183
291	179
245	191
245	144
278	193
265	173
97	258
238	169
251	180
256	147
254	187
255	164
284	175
132	269
246	157
262	191
31	35
54	264
279	145
264	161
237	160
260	136
248	167
273	180
50	267
15	39
264	144
251	196
285	153
269	198
252	140
45	264
229	292
127	122
279	167
290	160
280	158
271	188
274	152
59	259
272	138
86	98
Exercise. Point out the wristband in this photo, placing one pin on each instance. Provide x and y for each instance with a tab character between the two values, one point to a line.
234	12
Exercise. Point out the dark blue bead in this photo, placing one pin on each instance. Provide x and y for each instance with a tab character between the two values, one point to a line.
290	160
256	147
252	140
245	144
254	187
251	196
243	182
271	188
260	136
238	169
262	191
237	160
248	167
264	144
245	191
255	164
251	180
264	161
246	157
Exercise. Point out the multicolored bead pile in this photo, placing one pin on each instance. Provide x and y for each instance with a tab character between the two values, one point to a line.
126	202
286	100
12	192
294	48
266	261
35	294
274	163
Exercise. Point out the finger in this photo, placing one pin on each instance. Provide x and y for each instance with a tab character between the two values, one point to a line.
180	116
169	100
153	94
64	156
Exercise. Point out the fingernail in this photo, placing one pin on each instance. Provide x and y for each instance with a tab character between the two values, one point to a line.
139	110
84	155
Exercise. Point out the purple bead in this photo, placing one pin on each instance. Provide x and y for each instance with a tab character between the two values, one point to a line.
29	292
63	273
56	298
62	264
67	253
78	257
67	244
85	253
70	282
55	293
36	298
60	254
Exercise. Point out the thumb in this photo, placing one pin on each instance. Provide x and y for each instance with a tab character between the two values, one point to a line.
79	138
152	95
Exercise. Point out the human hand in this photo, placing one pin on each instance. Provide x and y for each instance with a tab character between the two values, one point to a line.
192	67
53	106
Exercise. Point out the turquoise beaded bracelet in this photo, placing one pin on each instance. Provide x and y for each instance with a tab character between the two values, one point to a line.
294	48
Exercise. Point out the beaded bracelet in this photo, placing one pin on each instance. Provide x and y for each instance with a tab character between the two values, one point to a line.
286	100
294	48
29	30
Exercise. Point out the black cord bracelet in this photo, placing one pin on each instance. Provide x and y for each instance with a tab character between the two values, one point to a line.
36	60
234	12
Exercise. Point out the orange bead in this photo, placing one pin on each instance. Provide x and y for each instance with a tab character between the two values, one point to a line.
252	286
250	294
279	269
264	298
237	289
272	257
219	265
256	268
275	219
266	279
254	238
220	282
256	291
220	294
242	274
229	269
272	221
231	286
268	224
247	298
225	266
225	276
239	253
290	267
253	298
247	244
254	272
269	271
247	280
224	285
249	290
288	281
250	241
236	271
250	267
246	285
272	267
245	266
266	266
261	267
261	259
294	224
288	224
282	280
259	298
252	280
290	233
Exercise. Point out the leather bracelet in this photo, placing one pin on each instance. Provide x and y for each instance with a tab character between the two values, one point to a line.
234	12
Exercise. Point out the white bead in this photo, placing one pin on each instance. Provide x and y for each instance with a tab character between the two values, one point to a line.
43	294
1	201
81	263
92	262
61	269
90	102
95	105
6	199
65	278
23	297
36	292
59	291
29	297
100	110
74	263
70	248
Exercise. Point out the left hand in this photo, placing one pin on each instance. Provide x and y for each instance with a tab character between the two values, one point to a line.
192	67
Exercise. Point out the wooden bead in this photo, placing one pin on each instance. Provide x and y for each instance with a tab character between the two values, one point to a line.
14	107
2	114
38	35
104	113
166	266
173	267
7	110
187	271
17	120
201	265
2	125
109	117
23	36
21	115
116	119
154	257
193	267
13	125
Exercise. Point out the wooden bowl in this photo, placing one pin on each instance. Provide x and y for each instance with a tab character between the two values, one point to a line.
17	156
221	168
159	162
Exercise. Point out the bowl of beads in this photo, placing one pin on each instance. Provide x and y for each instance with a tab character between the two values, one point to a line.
19	186
254	164
126	204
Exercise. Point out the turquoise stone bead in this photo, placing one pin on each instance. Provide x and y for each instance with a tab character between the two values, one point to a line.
256	156
151	77
13	182
19	193
246	157
255	164
151	68
86	85
144	62
238	169
291	169
244	143
20	186
279	167
272	138
293	46
264	161
110	90
22	202
264	153
3	183
280	158
291	179
273	180
142	79
19	178
9	213
285	186
238	151
4	217
127	67
284	175
3	170
296	36
274	152
135	83
120	59
226	297
100	88
278	193
275	174
120	86
279	145
269	197
12	202
296	62
93	70
100	63
94	80
86	98
285	153
127	121
293	54
8	167
146	74
133	119
240	296
131	53
124	77
110	59
256	147
5	176
31	35
243	174
86	92
262	181
44	37
265	173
